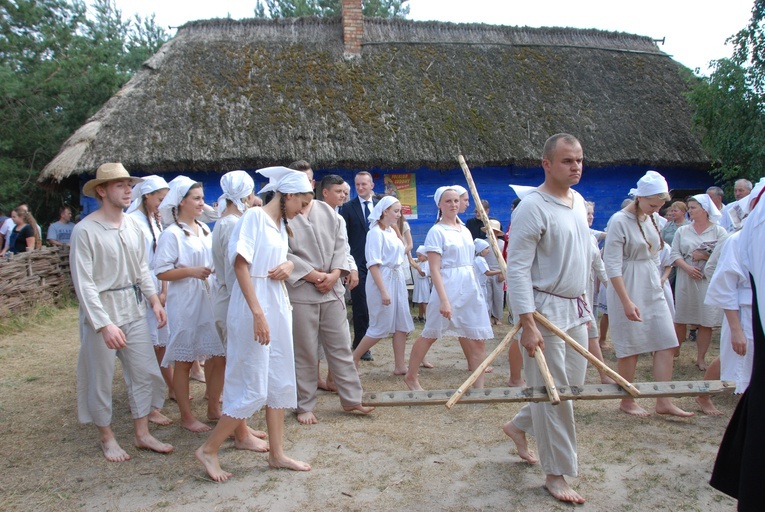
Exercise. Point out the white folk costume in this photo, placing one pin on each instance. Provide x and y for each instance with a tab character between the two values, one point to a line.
548	266
319	242
627	255
469	319
421	283
495	289
111	277
190	316
481	266
386	250
151	231
730	289
689	292
597	270
261	375
665	260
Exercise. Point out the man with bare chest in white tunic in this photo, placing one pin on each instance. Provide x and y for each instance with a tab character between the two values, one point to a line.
548	261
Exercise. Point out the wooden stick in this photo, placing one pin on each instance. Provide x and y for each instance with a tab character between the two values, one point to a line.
539	393
482	367
629	388
484	216
539	357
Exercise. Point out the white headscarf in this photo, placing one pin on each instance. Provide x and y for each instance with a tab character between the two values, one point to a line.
147	186
522	190
706	203
649	185
236	186
285	180
440	191
480	245
179	187
460	189
377	212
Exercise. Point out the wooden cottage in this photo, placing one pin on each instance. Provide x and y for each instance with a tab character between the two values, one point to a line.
402	104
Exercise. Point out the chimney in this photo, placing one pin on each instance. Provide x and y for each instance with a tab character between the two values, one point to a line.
353	28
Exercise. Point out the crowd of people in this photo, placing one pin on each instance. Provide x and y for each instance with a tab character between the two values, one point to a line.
162	292
21	233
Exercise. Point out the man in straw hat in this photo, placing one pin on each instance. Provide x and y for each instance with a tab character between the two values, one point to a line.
111	278
548	260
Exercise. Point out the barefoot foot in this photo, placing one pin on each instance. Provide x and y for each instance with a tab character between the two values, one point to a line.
149	442
113	451
516	383
412	384
426	364
672	410
605	379
212	465
251	443
707	407
359	408
195	426
521	444
307	418
399	371
156	417
559	489
285	462
630	407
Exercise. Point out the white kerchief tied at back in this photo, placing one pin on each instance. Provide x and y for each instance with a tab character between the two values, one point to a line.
480	245
179	187
377	212
440	191
649	185
285	180
522	190
709	206
149	185
236	186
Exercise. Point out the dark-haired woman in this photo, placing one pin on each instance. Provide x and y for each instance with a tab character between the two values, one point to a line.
638	312
184	258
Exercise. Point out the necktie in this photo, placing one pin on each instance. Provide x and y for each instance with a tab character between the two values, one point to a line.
366	211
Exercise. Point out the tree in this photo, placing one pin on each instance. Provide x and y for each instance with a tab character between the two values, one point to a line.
58	66
730	105
325	8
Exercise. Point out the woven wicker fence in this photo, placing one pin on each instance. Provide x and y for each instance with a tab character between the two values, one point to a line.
33	278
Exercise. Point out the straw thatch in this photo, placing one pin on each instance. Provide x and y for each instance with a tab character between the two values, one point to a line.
225	94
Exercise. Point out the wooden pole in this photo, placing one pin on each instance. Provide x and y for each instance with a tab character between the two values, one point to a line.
539	393
629	388
482	367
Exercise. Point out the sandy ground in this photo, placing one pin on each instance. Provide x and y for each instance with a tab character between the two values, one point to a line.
415	458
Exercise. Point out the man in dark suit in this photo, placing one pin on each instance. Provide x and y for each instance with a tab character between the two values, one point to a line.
356	213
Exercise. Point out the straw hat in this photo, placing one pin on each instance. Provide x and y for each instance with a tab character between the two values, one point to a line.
105	173
494	224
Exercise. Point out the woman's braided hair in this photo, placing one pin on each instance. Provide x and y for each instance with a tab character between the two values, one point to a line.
283	209
653	221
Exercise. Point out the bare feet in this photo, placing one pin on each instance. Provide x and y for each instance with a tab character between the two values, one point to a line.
113	451
251	443
257	433
707	407
605	379
307	418
521	445
156	417
359	408
196	426
197	376
631	407
426	364
672	410
516	383
701	365
285	462
214	415
149	442
397	371
559	489
413	384
212	465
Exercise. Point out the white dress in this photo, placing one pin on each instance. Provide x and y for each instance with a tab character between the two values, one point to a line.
665	260
481	266
258	375
422	284
224	271
385	249
626	255
189	301
469	318
730	288
689	292
151	233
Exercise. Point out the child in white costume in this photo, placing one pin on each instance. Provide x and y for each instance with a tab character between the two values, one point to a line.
261	362
422	285
483	272
184	258
456	304
387	296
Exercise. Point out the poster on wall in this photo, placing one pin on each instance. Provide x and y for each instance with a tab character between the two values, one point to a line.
404	188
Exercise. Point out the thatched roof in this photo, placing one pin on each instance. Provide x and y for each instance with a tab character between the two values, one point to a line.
226	94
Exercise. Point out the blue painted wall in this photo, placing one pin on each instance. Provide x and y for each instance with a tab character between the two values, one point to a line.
607	187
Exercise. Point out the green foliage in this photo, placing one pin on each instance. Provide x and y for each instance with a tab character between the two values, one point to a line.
59	63
296	8
730	111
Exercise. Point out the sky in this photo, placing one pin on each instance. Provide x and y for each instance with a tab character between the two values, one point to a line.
694	30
